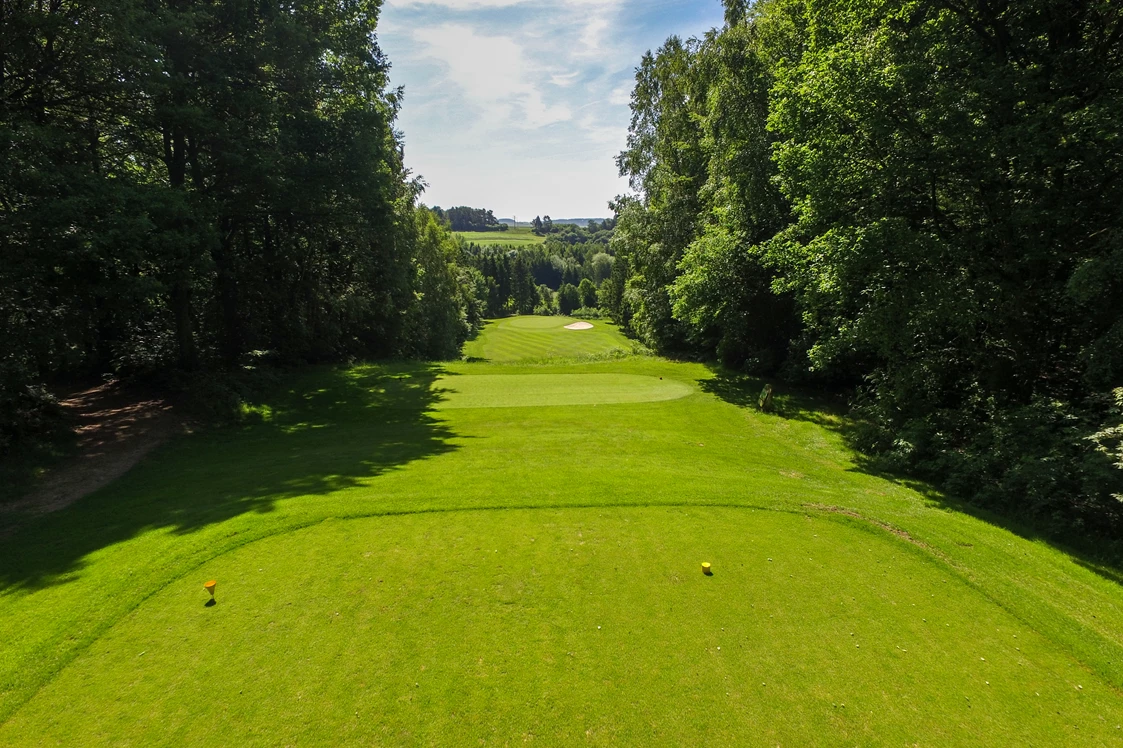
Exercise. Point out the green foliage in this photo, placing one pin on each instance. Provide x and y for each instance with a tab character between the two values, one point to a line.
445	308
569	298
587	292
916	200
470	219
547	301
1108	443
182	183
587	312
665	162
570	255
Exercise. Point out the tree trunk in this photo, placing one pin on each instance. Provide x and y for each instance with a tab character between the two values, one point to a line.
184	329
227	281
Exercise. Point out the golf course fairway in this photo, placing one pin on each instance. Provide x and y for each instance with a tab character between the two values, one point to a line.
508	549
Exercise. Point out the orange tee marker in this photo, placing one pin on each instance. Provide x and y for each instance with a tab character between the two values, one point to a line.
209	587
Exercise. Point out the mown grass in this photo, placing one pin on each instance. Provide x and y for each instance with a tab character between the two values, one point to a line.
512	237
393	570
546	340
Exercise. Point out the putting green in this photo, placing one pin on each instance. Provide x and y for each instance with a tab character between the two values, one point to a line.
531	390
573	626
545	339
534	323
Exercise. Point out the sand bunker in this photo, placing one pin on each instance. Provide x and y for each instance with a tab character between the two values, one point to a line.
579	326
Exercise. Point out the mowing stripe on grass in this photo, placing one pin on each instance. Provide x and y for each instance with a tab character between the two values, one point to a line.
542	338
573	625
334	442
536	390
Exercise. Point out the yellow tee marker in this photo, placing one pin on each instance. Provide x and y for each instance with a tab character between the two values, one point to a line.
706	570
209	587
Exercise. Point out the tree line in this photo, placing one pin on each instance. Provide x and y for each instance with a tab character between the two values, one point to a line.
561	276
919	202
463	218
192	185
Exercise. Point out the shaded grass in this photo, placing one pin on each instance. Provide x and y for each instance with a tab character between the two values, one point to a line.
22	467
65	577
656	487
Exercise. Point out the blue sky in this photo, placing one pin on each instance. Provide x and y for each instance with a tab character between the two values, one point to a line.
520	106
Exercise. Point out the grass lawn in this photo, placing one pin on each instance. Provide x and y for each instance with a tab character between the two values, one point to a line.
545	340
508	549
520	237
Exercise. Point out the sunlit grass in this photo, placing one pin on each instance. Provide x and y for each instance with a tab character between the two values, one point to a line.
395	569
513	237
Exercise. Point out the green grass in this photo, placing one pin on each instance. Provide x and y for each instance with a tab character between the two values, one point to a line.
512	237
545	340
537	390
401	563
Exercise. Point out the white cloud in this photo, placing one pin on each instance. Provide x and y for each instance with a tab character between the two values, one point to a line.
593	37
523	187
621	96
492	73
566	80
521	105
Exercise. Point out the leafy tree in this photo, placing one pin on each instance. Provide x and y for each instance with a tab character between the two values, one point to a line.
736	11
665	163
724	291
473	219
587	292
569	299
919	201
547	301
182	183
524	293
600	267
437	321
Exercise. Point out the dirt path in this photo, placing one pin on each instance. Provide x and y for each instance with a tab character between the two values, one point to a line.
116	428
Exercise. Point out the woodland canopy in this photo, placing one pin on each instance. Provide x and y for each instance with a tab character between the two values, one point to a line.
918	202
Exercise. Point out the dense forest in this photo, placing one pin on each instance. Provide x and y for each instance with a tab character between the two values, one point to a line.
564	275
918	202
190	186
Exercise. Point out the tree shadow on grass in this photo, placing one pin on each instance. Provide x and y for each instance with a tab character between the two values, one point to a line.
788	402
831	412
325	430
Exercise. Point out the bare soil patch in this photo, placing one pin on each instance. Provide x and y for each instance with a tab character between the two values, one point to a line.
116	428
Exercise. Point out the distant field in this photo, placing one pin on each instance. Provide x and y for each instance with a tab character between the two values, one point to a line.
512	237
